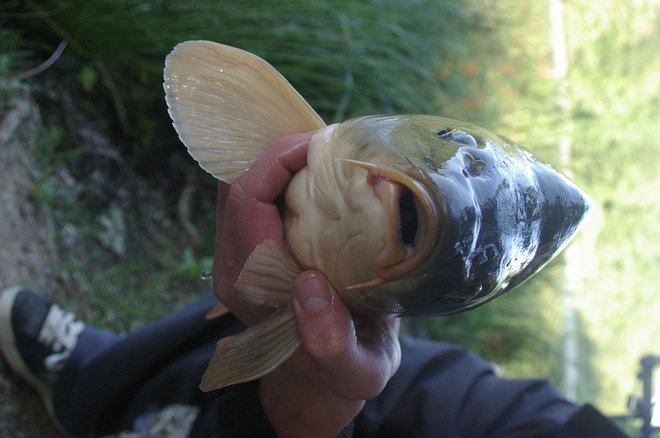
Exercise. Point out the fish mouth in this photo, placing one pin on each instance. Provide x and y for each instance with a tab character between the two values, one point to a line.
413	211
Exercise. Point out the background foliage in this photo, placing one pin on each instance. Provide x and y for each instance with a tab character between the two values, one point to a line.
486	62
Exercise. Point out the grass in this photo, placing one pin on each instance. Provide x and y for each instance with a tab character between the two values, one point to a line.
615	86
519	332
325	48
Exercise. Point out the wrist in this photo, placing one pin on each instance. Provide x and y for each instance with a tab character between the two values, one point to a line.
295	409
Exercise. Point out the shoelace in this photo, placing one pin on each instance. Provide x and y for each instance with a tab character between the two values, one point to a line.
59	333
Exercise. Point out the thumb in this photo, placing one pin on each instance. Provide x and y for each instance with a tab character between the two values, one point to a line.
355	363
324	322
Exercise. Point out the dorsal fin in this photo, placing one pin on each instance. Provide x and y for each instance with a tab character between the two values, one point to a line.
228	104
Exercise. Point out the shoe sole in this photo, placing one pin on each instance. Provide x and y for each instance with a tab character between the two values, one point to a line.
13	357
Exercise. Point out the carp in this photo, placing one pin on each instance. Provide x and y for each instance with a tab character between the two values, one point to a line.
406	214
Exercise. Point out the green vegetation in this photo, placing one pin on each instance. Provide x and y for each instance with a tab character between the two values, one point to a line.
615	87
325	48
486	62
123	257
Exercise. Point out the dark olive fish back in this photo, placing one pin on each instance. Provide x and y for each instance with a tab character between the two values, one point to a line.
503	216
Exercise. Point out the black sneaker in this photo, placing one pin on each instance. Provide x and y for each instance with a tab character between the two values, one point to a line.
36	339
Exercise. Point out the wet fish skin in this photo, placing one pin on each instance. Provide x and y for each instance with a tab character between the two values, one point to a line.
502	213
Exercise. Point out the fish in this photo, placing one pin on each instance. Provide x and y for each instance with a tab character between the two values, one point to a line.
408	215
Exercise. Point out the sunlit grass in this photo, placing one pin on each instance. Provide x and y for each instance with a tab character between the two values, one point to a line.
615	85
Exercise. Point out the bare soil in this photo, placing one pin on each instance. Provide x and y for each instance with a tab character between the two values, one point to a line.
27	253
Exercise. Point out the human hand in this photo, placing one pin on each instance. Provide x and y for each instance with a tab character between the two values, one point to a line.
247	215
343	362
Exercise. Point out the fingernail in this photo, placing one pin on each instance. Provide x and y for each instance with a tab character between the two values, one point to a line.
312	293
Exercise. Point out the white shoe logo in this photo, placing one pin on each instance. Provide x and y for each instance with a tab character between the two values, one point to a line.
60	332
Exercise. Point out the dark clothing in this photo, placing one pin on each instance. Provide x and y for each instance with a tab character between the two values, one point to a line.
440	390
110	380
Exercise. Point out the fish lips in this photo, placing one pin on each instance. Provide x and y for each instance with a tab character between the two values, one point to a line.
413	211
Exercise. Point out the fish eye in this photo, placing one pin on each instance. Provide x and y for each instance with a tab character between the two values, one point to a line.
457	137
456	299
443	132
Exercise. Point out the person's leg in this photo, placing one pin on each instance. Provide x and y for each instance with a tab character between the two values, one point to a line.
160	363
108	380
36	340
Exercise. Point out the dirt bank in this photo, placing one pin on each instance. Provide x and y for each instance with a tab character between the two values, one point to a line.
26	250
66	222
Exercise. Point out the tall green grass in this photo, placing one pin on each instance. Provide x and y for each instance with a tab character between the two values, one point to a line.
346	58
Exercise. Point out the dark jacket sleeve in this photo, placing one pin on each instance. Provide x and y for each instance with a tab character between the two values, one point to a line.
234	412
440	390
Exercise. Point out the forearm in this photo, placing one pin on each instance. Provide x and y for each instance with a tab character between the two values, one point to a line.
301	411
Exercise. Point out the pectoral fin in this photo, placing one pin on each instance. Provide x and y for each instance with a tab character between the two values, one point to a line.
268	274
266	279
217	311
228	105
253	353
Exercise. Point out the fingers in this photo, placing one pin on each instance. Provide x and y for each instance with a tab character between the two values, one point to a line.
251	215
223	191
356	360
247	215
271	172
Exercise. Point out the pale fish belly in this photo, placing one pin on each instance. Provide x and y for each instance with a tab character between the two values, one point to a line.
334	221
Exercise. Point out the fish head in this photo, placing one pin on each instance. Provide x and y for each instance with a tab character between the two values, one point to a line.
476	214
